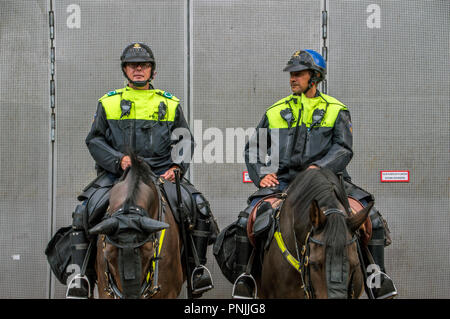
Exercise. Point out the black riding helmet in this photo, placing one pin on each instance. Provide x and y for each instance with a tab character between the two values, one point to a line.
308	60
138	52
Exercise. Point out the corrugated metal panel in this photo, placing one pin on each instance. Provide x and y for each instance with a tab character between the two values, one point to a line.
389	63
24	149
239	51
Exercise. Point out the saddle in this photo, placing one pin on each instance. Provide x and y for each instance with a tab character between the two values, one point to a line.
170	192
259	223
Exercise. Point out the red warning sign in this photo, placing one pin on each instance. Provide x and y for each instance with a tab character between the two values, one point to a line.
394	176
246	177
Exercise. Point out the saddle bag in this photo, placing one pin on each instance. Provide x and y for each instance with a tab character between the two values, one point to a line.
58	252
264	220
224	251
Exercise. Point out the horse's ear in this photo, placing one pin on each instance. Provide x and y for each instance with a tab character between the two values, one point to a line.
107	227
150	225
355	221
316	216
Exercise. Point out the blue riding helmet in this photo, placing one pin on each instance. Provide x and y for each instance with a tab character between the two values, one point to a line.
307	60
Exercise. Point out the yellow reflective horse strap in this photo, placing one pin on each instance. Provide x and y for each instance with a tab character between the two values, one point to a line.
157	251
286	254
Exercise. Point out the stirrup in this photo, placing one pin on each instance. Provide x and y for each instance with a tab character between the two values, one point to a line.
73	283
244	275
389	295
205	288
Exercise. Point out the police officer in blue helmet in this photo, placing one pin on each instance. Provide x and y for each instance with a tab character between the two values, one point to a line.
302	121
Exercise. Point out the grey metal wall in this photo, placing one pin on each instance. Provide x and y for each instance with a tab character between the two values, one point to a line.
224	60
395	79
239	51
88	66
24	149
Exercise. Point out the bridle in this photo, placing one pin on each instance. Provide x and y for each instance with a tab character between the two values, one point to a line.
301	263
150	286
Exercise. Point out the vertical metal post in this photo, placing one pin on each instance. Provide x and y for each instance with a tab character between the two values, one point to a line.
188	75
52	137
324	41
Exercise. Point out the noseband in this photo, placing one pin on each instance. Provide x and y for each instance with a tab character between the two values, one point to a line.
301	263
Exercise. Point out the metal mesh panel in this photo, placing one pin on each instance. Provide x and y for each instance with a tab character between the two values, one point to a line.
239	51
24	149
395	80
88	66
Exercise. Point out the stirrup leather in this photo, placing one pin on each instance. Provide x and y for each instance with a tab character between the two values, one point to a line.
73	283
244	275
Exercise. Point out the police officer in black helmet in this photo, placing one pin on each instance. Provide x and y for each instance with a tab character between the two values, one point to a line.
106	146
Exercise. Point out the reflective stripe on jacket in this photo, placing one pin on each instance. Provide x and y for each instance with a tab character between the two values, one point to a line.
302	141
153	115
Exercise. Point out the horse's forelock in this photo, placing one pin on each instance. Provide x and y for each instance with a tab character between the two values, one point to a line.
335	234
139	172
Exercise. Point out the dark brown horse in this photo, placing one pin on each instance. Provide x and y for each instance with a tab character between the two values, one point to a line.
138	247
314	252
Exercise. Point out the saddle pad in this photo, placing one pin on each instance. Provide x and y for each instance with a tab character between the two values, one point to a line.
366	227
274	200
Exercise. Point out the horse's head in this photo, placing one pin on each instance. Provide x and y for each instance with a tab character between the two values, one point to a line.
331	267
129	232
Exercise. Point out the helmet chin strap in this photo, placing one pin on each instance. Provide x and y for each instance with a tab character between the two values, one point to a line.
140	83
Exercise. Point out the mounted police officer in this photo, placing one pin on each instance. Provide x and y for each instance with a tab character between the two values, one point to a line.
150	116
313	130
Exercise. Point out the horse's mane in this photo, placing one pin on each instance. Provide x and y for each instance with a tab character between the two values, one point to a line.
323	186
138	172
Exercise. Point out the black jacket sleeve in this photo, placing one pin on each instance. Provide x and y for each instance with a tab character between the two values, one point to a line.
103	154
340	153
184	142
254	157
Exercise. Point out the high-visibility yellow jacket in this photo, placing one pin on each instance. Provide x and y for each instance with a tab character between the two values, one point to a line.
151	114
296	132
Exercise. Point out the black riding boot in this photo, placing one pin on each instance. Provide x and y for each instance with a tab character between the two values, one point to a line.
79	286
383	286
201	277
245	285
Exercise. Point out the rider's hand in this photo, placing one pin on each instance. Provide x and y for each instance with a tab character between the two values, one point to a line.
313	167
125	162
169	174
269	180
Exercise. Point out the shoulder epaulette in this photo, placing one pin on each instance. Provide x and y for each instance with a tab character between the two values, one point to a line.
284	100
167	95
332	100
111	93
